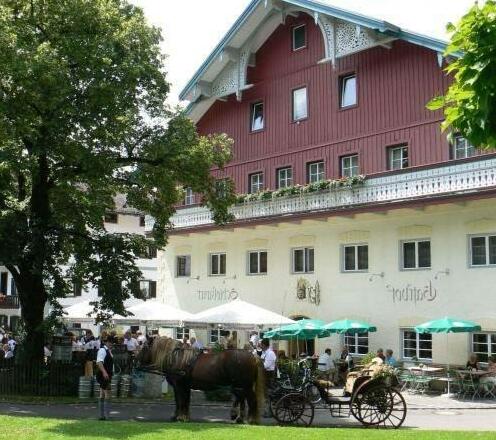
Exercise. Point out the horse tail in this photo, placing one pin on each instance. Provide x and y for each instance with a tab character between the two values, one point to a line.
259	388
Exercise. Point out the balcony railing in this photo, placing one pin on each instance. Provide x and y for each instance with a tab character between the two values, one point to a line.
9	302
456	178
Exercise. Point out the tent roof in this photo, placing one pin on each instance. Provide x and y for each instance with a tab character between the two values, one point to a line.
240	313
84	310
155	311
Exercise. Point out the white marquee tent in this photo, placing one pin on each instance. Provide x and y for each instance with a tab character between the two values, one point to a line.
156	312
238	314
83	311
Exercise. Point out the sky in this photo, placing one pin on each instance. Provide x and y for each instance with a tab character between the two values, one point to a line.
192	28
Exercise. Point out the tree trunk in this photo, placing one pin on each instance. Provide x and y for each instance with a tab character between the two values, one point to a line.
33	297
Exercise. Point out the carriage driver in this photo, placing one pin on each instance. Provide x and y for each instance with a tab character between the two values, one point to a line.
105	364
268	358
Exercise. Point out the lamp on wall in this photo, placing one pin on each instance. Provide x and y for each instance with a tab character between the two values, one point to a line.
443	272
197	278
379	275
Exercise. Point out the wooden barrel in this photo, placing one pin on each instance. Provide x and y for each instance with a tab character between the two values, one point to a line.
85	387
125	386
114	385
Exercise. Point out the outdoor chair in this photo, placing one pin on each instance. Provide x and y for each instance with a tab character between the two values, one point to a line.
420	382
467	386
405	378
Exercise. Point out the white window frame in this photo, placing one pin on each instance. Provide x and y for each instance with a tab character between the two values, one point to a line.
187	265
293	39
258	185
288	181
253	112
181	333
486	245
467	148
344	79
258	252
210	267
353	348
313	177
189	196
417	344
392	161
218	332
306	258
301	117
489	352
348	169
343	257
402	254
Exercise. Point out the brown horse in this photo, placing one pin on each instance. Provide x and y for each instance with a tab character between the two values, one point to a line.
186	369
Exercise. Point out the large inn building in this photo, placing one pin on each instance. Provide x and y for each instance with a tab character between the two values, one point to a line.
311	93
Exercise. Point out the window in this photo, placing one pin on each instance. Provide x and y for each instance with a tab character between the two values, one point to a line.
257	262
217	264
13	287
483	250
111	217
77	289
257	116
315	172
189	196
355	258
416	345
461	148
484	345
142	220
256	183
299	37
358	344
300	110
416	254
284	177
216	335
349	166
149	253
303	260
148	289
183	266
398	157
182	333
348	91
3	282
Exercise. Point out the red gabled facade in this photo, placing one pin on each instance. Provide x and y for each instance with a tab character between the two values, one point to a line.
393	86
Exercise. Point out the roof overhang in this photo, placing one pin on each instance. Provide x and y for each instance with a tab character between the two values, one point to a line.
224	72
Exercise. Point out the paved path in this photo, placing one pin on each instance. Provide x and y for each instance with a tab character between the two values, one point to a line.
468	418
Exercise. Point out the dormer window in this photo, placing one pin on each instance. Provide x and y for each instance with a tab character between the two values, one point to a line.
299	37
257	116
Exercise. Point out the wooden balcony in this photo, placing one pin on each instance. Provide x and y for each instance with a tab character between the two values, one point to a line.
9	302
449	179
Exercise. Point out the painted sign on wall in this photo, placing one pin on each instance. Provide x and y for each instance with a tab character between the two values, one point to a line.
215	294
413	294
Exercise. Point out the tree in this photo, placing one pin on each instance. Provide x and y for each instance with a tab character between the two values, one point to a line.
470	102
82	119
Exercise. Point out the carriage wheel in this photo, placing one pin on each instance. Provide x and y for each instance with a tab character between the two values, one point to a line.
398	410
312	393
372	405
294	408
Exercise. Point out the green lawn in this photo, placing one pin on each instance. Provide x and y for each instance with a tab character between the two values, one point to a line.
32	428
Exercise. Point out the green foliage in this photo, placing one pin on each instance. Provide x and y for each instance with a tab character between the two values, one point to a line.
82	119
470	102
297	190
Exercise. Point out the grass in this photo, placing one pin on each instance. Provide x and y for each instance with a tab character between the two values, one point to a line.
37	428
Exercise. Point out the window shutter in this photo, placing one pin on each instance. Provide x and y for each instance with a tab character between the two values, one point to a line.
153	289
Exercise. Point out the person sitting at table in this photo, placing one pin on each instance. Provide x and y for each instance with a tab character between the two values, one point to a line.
473	363
490	377
380	354
390	360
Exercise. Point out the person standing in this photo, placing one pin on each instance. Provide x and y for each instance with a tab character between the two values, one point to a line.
269	359
324	364
390	360
105	365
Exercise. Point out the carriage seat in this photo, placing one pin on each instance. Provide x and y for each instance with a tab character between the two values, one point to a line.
325	385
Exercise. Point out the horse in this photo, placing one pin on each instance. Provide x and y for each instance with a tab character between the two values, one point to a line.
186	368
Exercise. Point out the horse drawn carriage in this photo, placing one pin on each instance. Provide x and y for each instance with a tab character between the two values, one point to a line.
371	396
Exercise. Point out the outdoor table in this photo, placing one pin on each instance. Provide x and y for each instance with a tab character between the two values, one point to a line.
477	373
426	369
